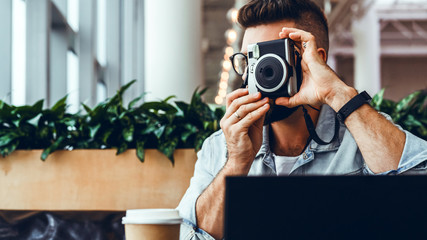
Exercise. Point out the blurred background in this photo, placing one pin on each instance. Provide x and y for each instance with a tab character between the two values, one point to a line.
87	49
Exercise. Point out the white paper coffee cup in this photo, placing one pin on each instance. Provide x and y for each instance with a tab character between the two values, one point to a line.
152	224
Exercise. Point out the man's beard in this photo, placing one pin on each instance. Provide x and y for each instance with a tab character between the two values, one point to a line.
277	113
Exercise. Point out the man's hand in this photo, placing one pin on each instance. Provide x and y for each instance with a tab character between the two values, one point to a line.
320	83
380	142
242	126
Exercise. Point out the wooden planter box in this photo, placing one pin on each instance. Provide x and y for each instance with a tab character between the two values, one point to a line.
93	180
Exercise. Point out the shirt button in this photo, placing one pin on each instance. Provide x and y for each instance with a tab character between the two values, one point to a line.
304	155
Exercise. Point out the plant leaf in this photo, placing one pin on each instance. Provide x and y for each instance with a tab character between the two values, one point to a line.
52	148
168	148
183	106
125	87
60	106
402	105
29	112
87	108
159	132
7	150
410	121
106	135
168	98
159	106
122	148
93	130
140	153
8	138
134	101
378	99
128	133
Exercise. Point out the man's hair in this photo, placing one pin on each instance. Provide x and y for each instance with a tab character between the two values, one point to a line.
305	13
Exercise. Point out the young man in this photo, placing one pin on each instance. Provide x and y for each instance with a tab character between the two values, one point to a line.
366	143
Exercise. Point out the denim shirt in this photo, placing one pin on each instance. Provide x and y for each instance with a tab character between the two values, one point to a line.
341	157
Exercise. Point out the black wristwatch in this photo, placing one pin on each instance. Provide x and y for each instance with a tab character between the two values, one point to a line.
352	105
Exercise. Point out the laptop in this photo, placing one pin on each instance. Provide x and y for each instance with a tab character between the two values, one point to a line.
326	207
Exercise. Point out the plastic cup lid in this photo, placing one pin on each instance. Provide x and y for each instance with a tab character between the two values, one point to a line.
152	216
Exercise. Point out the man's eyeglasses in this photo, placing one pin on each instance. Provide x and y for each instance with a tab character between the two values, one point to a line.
239	62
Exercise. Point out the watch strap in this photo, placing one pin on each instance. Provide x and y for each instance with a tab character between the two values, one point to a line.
352	105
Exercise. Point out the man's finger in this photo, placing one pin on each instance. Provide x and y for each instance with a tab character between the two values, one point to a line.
286	31
252	117
301	34
244	110
307	40
242	100
234	95
303	37
289	102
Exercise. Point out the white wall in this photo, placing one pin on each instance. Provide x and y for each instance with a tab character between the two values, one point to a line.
173	58
366	35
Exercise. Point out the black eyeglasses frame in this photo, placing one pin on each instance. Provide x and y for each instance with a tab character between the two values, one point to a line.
232	62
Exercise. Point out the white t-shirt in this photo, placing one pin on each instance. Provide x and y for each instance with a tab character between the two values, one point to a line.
284	164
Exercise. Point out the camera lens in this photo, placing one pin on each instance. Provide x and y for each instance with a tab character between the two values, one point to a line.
269	72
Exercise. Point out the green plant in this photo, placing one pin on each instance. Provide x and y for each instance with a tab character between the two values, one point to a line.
158	124
410	112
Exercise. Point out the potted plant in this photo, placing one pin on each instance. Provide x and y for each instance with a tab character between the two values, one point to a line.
410	112
91	176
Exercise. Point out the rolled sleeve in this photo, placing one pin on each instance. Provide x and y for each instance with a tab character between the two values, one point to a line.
414	153
190	232
203	176
413	156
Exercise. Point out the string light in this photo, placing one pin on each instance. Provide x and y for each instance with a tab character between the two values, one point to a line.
231	36
225	75
226	65
229	51
232	15
223	85
219	100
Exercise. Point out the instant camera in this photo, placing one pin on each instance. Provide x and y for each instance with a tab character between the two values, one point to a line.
274	68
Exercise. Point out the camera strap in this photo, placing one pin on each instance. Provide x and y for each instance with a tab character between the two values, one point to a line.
312	129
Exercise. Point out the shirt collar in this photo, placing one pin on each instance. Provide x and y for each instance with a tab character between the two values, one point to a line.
325	128
265	146
264	153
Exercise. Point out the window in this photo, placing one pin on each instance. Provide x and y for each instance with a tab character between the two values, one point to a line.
18	52
55	48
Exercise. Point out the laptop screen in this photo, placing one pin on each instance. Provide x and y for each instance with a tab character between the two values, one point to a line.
326	207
